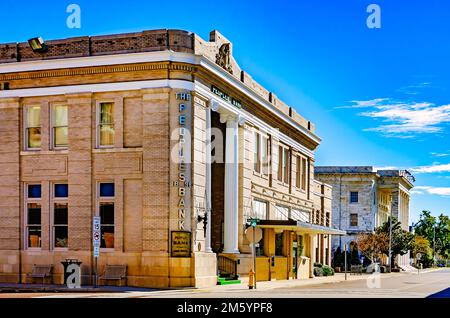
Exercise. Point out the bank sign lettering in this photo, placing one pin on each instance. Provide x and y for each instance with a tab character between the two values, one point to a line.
226	97
182	183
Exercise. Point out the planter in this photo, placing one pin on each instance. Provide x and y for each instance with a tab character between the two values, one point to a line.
109	240
34	241
337	269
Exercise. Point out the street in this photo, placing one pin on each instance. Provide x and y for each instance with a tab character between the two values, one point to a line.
434	283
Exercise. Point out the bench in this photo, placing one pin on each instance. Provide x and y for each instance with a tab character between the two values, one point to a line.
115	272
41	271
356	270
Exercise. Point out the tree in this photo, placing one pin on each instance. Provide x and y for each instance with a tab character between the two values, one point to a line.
401	240
420	245
436	231
373	245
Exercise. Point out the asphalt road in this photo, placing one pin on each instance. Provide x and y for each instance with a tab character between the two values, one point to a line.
434	284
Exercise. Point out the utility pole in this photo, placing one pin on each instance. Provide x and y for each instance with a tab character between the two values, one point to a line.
345	260
434	243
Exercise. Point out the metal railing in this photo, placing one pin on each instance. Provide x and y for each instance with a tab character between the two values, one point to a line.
227	267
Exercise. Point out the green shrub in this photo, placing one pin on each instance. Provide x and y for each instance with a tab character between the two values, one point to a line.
318	271
327	271
318	265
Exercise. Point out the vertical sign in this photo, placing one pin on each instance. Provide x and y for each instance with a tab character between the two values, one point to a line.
183	183
96	236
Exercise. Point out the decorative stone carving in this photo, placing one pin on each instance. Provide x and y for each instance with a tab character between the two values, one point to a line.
223	58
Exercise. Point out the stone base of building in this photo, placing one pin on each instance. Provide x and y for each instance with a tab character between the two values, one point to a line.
155	270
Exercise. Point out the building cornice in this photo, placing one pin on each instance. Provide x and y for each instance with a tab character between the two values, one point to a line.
124	62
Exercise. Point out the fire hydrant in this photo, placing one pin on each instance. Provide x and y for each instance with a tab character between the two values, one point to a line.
251	279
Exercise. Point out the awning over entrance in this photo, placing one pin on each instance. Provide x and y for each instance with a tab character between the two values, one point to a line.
292	225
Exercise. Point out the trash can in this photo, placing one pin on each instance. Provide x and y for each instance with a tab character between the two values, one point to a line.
74	274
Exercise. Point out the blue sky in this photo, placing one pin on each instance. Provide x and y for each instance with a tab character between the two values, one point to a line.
378	96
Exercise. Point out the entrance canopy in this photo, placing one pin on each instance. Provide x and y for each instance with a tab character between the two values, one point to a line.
298	226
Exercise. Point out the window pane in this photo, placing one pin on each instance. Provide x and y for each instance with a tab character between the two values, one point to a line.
286	166
60	116
260	247
304	172
60	214
106	113
34	137
34	116
34	191
280	163
299	171
279	244
256	152
106	135
260	209
34	236
353	197
265	155
107	237
61	190
107	190
61	236
34	213
61	136
107	213
281	212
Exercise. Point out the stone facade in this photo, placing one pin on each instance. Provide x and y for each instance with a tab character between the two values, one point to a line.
164	109
379	194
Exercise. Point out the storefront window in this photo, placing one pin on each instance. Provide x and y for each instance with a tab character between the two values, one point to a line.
279	244
260	246
60	218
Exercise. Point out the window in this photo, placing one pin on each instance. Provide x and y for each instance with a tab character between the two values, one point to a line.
60	225
299	215
354	197
261	154
257	152
60	216
33	127
106	124
33	216
298	175
281	212
260	246
286	166
283	164
60	126
107	224
107	216
304	173
265	155
61	190
107	190
279	244
353	219
260	209
34	191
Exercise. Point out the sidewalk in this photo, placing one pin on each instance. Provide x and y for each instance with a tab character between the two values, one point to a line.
337	278
269	285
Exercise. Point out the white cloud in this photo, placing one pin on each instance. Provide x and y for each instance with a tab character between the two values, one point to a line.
442	191
404	119
436	154
432	169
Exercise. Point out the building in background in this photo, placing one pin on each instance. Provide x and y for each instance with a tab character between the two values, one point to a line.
119	127
364	198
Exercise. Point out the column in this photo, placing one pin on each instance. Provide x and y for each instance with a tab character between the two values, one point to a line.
312	254
208	181
231	212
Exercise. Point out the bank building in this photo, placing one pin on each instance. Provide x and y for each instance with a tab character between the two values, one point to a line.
170	146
